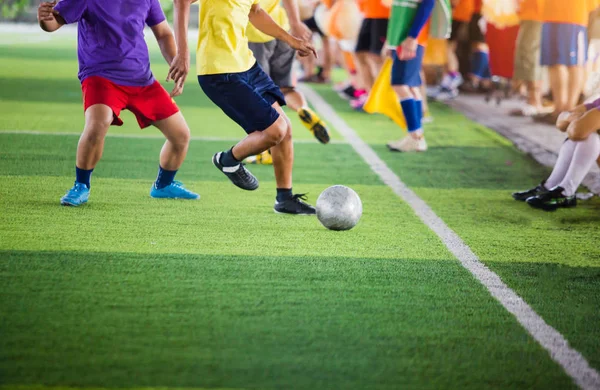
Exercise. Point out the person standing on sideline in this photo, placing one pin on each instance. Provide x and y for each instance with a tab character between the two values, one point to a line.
527	57
407	36
564	51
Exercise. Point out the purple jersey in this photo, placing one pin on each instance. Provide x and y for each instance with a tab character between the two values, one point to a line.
111	38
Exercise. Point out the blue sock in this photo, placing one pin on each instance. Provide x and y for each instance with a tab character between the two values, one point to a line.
228	160
419	109
164	177
410	108
480	63
284	194
83	176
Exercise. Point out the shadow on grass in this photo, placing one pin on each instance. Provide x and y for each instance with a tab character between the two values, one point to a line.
568	298
137	158
131	320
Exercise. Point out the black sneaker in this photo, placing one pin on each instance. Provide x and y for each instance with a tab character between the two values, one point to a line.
524	195
295	205
552	200
347	93
238	174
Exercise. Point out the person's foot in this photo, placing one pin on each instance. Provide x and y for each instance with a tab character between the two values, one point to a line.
312	122
76	196
524	195
408	144
445	94
548	119
314	79
427	120
347	93
451	81
295	206
552	200
358	103
175	190
264	158
470	87
238	174
525	111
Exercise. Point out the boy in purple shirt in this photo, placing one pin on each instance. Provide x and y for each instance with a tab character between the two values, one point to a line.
114	71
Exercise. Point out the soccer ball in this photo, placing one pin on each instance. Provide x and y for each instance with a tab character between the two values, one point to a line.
339	208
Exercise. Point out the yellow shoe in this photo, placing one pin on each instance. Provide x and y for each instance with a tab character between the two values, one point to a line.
264	158
313	123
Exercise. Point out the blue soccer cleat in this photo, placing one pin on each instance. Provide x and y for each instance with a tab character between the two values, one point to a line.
175	190
76	196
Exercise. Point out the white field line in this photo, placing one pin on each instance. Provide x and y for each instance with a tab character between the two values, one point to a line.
574	364
154	136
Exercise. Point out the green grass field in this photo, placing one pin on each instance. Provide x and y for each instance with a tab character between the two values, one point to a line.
130	292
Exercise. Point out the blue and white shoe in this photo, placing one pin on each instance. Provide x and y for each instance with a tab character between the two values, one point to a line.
78	195
175	190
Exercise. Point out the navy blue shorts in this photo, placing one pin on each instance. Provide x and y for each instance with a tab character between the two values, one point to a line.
564	44
246	97
408	72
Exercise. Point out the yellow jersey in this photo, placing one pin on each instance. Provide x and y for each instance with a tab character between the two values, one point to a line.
222	40
275	11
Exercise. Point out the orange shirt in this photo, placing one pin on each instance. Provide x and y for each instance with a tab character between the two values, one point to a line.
463	10
423	37
572	12
327	3
478	6
531	10
374	9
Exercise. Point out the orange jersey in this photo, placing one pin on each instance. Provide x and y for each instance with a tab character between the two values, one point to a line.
477	6
423	37
327	3
531	10
571	12
463	11
374	9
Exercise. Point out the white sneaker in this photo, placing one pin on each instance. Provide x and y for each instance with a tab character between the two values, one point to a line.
408	144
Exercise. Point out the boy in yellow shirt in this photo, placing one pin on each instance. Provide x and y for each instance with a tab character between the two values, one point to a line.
276	58
230	76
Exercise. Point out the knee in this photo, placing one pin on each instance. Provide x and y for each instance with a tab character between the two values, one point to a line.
576	131
362	57
403	92
182	138
96	129
278	131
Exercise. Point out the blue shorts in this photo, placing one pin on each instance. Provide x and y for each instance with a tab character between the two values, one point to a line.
246	97
408	72
564	44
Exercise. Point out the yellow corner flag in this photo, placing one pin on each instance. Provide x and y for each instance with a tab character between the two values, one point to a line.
383	99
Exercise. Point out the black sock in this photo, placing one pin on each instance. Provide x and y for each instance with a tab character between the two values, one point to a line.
164	177
227	159
284	194
83	176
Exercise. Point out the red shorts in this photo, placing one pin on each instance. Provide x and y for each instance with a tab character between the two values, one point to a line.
149	104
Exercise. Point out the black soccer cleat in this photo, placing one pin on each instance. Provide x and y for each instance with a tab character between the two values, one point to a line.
294	206
552	200
524	195
238	174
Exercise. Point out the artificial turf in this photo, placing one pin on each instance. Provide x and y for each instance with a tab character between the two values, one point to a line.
133	292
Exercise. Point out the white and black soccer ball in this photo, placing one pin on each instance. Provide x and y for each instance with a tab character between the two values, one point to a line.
339	208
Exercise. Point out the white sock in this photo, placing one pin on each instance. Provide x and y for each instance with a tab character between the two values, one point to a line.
565	155
586	153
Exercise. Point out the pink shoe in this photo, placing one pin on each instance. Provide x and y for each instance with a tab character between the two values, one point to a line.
359	102
359	92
